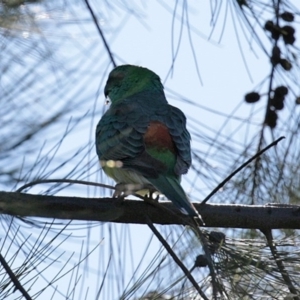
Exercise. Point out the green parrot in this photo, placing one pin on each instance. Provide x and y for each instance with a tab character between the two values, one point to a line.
142	141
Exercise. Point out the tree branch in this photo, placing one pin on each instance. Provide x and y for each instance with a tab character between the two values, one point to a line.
130	211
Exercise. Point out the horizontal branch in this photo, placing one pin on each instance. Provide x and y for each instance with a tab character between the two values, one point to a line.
131	211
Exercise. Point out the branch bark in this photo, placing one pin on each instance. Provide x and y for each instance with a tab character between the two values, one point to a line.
271	216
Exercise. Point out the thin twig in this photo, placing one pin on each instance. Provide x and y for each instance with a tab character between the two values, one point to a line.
101	33
32	183
14	278
176	259
280	265
240	168
203	241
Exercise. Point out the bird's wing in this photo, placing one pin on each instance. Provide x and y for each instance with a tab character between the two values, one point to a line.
175	120
119	137
168	141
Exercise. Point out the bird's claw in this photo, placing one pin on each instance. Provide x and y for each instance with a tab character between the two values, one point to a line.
119	193
150	195
119	189
122	190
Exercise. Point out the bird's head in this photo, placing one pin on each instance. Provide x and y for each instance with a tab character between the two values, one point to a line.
127	80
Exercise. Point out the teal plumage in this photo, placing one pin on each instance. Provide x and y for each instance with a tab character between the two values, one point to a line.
142	140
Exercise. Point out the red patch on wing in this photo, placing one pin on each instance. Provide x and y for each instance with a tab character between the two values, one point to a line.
158	136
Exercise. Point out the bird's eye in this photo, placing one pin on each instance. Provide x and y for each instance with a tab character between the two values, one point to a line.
107	101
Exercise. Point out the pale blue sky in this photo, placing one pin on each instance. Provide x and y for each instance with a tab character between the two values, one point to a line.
145	40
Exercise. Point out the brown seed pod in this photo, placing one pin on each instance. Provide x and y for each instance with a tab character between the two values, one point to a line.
275	30
275	58
281	91
269	25
287	16
277	102
288	34
271	118
275	33
285	64
252	97
201	261
286	30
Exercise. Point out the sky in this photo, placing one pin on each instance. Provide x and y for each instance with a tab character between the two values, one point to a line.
208	75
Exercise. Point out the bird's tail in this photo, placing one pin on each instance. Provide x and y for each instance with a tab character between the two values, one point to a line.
172	189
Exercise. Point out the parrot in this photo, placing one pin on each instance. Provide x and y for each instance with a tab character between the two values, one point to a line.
142	141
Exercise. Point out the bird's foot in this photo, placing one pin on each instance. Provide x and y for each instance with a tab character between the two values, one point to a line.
119	190
125	189
151	195
119	193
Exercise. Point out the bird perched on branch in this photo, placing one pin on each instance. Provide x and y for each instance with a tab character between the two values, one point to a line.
142	141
